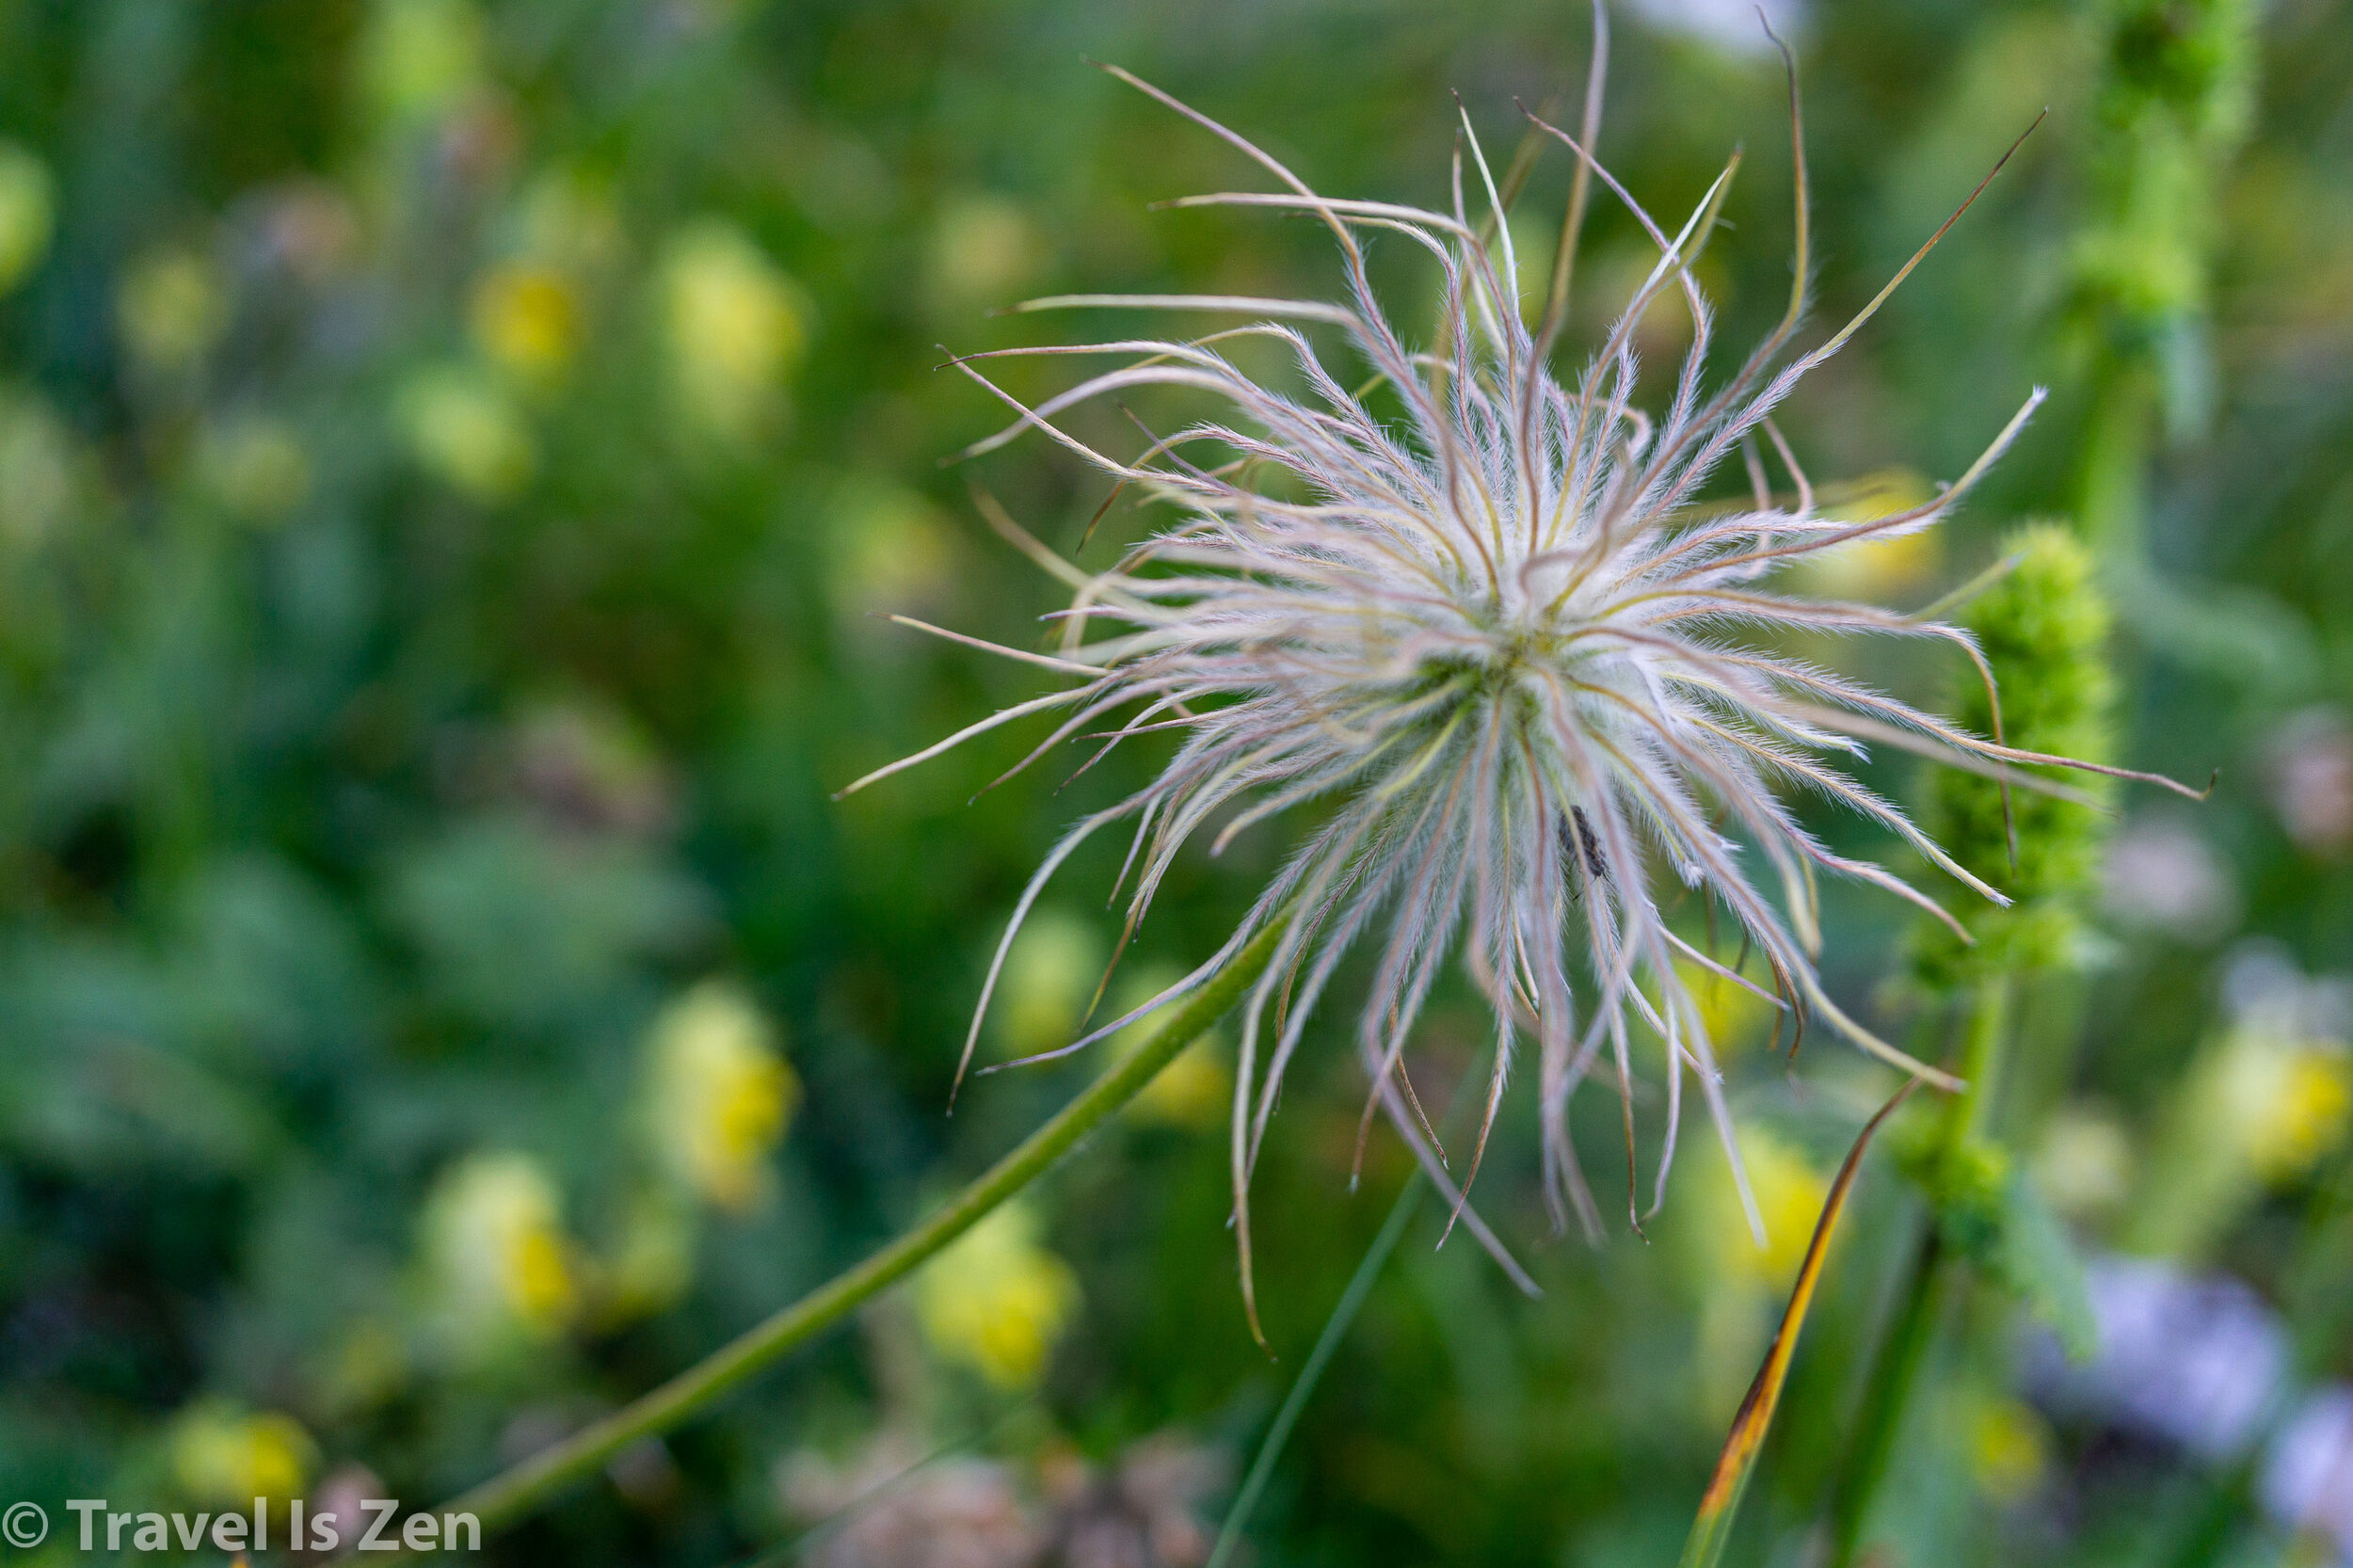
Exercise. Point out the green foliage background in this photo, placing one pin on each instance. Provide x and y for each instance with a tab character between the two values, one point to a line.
398	714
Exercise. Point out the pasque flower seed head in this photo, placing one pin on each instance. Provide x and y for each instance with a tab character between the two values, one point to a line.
1495	633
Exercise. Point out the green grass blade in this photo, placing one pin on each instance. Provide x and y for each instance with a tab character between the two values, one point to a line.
1711	1530
1335	1330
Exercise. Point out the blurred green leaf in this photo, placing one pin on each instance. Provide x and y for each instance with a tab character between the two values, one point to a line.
2034	1257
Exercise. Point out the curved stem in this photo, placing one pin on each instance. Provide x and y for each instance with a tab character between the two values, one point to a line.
521	1490
1712	1528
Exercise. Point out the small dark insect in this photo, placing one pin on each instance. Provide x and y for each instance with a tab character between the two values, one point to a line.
1583	839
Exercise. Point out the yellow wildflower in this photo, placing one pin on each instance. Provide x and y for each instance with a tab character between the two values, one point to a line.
419	55
983	251
2261	1105
1048	979
720	1092
2297	1098
1741	1285
2010	1447
735	325
1880	566
496	1250
255	468
39	477
889	550
2084	1162
171	308
527	319
997	1300
27	214
468	433
1193	1091
1789	1196
1732	1014
222	1453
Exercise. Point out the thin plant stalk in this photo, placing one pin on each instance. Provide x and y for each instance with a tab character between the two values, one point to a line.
1335	1330
521	1490
1982	1056
1335	1327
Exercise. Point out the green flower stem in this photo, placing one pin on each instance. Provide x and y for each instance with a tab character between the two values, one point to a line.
1981	1057
519	1491
1896	1365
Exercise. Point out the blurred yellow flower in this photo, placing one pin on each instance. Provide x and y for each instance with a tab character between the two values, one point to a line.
1733	1015
171	308
1620	273
37	471
567	219
2010	1447
2293	1100
468	433
1741	1285
1195	1089
887	551
527	319
735	323
983	250
2260	1105
496	1251
2085	1161
255	466
997	1300
1789	1196
1048	979
27	214
367	1368
654	1260
1875	568
222	1453
720	1095
418	56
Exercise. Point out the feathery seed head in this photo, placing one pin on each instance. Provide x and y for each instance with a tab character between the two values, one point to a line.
1501	641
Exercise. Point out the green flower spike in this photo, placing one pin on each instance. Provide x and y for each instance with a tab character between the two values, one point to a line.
2044	629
